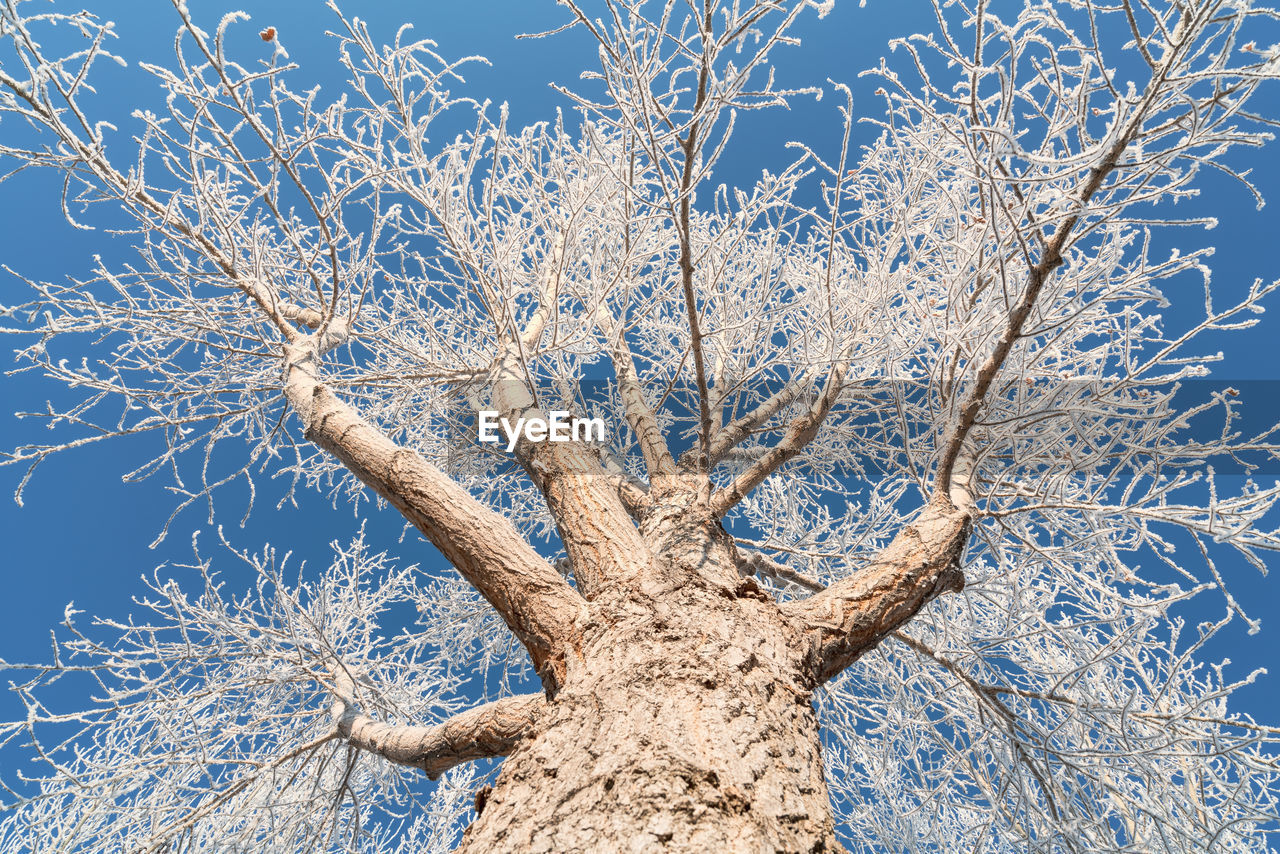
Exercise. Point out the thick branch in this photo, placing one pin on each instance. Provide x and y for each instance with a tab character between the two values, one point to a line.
493	729
850	617
587	503
534	600
593	522
640	416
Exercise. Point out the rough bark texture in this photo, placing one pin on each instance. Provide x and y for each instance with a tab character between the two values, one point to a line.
687	726
851	617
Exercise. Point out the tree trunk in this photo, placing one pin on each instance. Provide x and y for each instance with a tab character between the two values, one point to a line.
679	712
685	725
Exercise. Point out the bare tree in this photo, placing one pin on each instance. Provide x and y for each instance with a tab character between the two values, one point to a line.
935	365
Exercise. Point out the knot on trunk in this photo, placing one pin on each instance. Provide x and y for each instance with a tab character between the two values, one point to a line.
949	580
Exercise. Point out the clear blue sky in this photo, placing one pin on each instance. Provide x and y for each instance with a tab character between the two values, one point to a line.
83	534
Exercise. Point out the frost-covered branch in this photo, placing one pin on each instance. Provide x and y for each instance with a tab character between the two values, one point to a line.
211	706
493	729
944	332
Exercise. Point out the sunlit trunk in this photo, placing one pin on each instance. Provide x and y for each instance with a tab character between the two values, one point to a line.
686	726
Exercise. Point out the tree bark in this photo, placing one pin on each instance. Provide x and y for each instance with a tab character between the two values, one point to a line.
686	725
852	616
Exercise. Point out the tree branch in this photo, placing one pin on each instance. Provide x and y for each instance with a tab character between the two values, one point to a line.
736	432
632	491
760	564
653	446
1051	257
850	617
689	147
534	600
594	524
800	433
493	729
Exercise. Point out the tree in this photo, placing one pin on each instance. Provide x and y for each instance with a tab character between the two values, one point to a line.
879	545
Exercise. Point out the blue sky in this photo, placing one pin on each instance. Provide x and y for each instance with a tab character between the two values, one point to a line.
83	534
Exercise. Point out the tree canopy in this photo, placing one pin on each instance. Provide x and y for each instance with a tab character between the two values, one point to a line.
935	358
